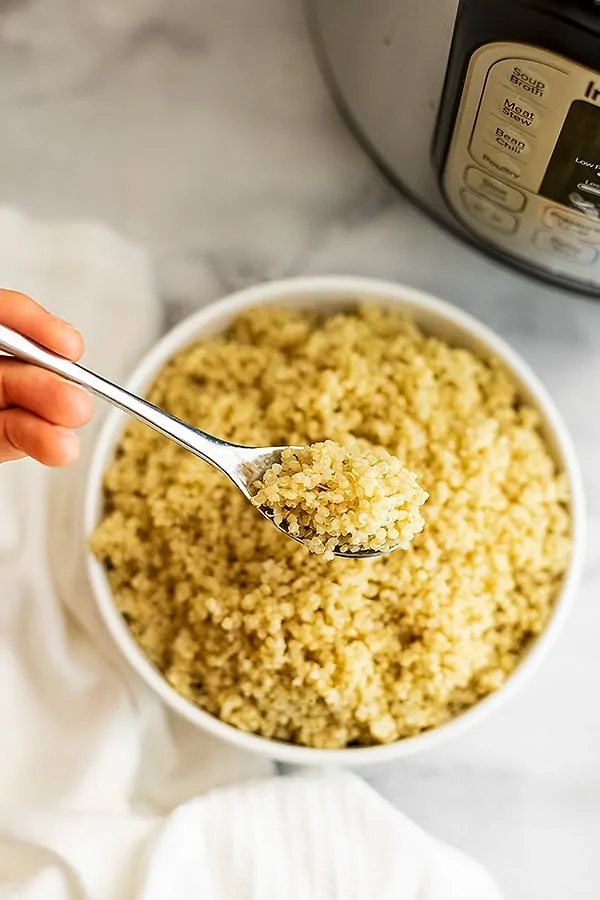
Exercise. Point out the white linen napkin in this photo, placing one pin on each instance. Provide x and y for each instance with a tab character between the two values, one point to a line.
104	795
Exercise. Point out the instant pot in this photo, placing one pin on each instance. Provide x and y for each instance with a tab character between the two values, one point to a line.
485	112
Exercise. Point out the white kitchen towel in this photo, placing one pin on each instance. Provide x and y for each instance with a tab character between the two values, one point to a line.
104	795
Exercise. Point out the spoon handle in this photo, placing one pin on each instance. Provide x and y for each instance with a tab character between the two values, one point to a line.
207	447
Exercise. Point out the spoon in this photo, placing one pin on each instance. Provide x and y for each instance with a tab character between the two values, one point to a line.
243	465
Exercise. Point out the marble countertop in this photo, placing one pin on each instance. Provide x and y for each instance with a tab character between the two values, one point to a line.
202	129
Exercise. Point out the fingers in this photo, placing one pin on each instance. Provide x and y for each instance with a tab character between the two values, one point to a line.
20	312
22	433
37	409
50	397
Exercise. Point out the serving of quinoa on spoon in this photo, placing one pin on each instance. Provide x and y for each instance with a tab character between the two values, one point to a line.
342	500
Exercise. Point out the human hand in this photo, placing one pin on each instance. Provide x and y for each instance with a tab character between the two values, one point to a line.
38	410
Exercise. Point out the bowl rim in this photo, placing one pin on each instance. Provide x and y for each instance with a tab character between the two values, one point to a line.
347	291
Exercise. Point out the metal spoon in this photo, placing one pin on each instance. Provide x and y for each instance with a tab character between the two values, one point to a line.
243	465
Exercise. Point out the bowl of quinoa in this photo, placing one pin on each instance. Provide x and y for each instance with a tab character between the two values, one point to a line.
271	644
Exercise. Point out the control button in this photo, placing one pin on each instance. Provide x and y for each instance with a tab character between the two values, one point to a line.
507	139
533	81
492	189
529	79
488	214
556	245
583	230
586	204
590	188
518	111
498	163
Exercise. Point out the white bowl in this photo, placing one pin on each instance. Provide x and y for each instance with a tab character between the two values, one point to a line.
435	317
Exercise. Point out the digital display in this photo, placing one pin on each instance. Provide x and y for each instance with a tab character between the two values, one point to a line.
573	174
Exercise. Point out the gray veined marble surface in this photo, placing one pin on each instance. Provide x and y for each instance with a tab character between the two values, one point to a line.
202	128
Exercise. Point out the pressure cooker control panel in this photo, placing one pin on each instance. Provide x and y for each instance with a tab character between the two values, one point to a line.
523	166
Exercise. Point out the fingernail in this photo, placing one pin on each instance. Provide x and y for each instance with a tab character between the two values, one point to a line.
80	388
89	406
65	323
71	446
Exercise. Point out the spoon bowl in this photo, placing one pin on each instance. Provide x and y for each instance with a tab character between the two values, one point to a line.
252	464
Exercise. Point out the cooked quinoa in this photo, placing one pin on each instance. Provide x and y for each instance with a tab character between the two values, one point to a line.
253	628
344	498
